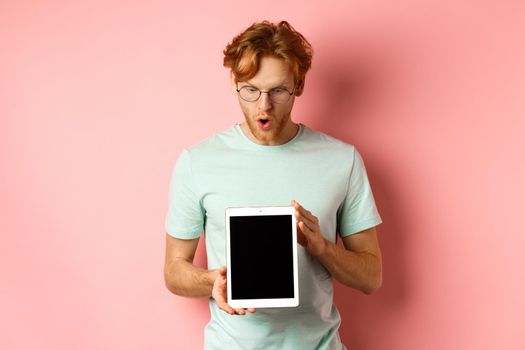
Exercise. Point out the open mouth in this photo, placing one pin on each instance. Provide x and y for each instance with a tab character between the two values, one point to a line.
264	123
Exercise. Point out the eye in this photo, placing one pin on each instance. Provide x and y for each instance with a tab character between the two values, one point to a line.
250	89
278	91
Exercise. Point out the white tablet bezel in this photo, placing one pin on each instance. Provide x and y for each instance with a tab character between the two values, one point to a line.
263	211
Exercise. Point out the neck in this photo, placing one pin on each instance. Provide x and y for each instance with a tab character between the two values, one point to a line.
289	132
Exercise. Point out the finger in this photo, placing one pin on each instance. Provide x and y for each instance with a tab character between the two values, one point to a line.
300	212
301	238
240	311
252	310
305	213
300	208
311	217
305	229
225	307
312	225
296	205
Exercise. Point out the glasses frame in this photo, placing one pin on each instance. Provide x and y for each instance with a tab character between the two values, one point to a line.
264	91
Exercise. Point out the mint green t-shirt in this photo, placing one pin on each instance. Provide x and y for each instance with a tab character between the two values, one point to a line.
325	175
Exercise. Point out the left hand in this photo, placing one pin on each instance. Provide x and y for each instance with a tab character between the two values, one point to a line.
308	231
219	293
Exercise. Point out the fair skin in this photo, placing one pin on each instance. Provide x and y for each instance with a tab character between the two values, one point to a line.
272	73
357	265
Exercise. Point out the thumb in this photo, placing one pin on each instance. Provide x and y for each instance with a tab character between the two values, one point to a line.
301	238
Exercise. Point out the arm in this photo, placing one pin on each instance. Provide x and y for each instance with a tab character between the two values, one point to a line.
183	278
357	265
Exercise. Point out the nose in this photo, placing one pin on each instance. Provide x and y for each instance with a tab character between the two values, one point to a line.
265	103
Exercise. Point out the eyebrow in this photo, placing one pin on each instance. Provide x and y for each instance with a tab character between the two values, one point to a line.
282	84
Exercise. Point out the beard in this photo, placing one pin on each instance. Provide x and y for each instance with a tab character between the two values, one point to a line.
276	130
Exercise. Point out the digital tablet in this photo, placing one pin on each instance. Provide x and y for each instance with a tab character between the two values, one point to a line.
261	248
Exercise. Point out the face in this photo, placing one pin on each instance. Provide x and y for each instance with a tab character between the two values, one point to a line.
278	128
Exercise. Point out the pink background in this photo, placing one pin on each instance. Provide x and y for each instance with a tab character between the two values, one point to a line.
98	98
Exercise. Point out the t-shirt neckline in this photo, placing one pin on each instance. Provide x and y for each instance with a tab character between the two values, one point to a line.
254	145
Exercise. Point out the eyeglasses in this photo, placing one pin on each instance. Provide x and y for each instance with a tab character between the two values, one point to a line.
277	95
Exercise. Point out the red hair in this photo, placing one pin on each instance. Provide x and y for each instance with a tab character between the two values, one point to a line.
261	39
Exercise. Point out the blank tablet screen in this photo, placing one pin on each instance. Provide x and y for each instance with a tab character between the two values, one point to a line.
261	257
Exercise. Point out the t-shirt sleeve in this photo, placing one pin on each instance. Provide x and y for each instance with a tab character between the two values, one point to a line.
358	211
185	217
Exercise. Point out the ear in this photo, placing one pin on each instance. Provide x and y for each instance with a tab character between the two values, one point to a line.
299	87
233	83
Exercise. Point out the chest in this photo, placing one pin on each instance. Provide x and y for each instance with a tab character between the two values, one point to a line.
271	181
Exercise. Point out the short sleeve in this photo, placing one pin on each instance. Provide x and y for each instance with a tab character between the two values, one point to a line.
185	217
358	211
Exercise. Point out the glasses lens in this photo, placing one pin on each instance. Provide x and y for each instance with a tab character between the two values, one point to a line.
252	94
279	95
249	93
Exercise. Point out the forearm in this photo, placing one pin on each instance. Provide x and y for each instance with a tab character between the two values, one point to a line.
359	270
185	279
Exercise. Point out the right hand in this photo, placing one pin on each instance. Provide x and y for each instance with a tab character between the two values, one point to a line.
218	293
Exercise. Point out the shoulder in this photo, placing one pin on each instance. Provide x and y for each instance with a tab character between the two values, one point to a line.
215	143
322	141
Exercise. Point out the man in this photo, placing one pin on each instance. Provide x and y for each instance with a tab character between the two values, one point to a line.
270	160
